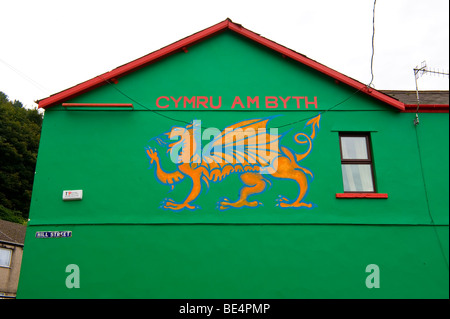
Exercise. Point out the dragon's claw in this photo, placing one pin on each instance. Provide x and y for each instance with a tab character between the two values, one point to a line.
152	154
224	203
283	202
168	203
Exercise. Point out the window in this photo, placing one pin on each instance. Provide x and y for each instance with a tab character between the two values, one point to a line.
5	257
356	160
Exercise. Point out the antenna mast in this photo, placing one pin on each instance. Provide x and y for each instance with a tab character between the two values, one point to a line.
418	72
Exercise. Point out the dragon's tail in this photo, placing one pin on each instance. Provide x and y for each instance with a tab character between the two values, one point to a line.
299	157
314	123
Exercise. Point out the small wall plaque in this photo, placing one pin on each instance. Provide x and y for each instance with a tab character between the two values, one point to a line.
72	195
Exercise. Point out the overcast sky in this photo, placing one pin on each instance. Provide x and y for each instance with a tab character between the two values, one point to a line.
47	46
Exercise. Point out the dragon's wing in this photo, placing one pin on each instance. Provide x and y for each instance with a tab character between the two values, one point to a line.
246	143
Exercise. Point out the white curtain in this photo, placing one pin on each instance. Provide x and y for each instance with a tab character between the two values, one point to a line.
354	147
357	178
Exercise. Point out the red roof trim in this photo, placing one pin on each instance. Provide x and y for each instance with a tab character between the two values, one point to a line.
317	66
129	67
183	43
427	108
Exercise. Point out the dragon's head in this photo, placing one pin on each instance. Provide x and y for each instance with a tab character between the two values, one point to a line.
177	139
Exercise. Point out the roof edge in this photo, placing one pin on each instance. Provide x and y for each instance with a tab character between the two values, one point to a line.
130	67
201	35
426	108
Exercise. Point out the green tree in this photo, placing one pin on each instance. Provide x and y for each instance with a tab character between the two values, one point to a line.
20	131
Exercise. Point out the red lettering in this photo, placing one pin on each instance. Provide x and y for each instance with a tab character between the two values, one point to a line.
176	101
268	103
214	106
254	100
284	101
237	99
162	106
192	100
298	100
202	100
307	103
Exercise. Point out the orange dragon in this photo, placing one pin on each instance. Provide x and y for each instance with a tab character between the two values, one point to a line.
254	154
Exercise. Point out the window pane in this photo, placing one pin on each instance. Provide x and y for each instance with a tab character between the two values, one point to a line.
354	147
357	178
5	257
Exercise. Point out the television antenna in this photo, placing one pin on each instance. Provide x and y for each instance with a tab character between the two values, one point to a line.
418	72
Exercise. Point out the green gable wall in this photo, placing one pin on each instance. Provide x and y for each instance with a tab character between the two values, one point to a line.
128	247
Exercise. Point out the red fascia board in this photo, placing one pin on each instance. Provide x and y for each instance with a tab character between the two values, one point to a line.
130	67
317	66
427	108
361	195
181	44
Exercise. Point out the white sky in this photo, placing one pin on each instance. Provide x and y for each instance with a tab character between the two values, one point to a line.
53	45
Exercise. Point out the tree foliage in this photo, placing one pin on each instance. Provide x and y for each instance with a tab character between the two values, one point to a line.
20	131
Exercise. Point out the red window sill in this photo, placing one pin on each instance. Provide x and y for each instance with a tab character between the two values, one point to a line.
361	195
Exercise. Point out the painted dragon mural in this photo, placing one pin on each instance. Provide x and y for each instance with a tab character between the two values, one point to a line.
248	148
